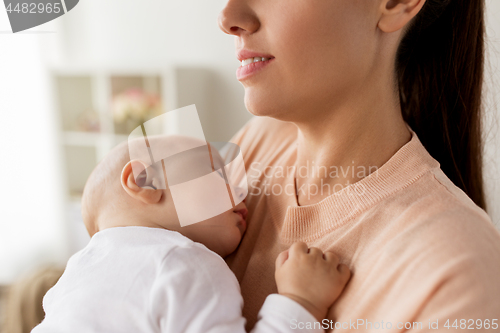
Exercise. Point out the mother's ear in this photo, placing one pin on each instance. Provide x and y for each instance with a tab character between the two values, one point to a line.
397	13
142	188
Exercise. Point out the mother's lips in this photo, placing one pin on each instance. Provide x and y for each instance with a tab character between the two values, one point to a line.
245	54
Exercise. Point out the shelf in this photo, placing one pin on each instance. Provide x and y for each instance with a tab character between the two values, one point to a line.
74	99
74	138
85	139
80	162
88	128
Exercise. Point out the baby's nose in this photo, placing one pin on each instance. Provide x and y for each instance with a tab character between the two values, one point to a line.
240	193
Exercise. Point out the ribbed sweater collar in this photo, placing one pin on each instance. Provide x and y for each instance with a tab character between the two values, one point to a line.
309	222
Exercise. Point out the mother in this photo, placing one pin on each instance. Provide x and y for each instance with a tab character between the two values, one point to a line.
376	103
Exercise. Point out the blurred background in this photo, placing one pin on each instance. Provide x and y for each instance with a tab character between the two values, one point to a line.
73	88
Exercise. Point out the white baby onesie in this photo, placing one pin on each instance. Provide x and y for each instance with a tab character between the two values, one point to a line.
142	280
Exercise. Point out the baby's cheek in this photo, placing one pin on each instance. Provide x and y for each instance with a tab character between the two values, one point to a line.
230	236
236	236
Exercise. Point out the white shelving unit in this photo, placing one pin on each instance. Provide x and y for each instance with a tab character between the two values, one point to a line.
84	92
90	92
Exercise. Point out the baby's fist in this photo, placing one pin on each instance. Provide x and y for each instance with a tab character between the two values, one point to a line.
311	278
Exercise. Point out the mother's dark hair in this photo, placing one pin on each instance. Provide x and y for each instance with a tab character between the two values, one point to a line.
440	64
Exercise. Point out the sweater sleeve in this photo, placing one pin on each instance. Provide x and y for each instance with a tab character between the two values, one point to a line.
195	291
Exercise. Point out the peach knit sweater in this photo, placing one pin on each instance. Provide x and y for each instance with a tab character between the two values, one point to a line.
419	249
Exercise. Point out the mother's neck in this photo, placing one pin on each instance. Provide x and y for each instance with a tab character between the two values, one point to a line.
359	136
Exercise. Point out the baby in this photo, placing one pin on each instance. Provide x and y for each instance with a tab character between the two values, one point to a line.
143	272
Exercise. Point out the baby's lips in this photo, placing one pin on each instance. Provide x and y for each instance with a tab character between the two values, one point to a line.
244	213
242	223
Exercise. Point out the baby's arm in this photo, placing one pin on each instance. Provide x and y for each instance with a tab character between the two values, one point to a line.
196	292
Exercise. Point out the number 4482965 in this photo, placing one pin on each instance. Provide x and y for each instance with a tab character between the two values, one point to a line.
34	8
472	324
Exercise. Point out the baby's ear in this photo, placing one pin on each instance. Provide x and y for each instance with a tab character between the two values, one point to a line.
141	187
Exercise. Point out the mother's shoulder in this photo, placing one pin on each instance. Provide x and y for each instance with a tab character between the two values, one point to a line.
458	200
445	220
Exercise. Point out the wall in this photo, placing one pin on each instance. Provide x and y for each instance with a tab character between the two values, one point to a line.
31	224
492	110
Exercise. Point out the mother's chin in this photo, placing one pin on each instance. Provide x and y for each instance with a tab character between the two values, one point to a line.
271	102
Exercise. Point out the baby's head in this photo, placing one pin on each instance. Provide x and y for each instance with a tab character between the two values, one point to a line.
122	192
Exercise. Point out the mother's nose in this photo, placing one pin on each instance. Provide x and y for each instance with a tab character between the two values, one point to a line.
237	18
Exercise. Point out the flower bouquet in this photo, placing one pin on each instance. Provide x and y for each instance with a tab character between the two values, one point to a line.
133	107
